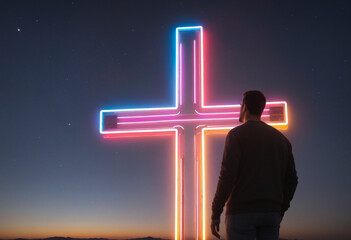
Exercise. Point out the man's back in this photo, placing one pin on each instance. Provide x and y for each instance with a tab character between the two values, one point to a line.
258	176
258	171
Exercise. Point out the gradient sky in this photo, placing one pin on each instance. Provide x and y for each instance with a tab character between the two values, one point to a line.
64	61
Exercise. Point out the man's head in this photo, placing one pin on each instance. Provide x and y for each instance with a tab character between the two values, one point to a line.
252	105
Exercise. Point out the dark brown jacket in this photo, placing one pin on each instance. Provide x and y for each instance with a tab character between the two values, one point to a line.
257	173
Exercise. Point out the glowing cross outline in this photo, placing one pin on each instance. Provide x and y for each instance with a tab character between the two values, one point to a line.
155	122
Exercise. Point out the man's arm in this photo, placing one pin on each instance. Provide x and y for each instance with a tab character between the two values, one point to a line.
228	174
290	182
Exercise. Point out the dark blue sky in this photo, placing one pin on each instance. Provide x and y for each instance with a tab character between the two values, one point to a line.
63	61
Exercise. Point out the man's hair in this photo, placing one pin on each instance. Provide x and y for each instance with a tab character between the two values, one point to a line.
255	102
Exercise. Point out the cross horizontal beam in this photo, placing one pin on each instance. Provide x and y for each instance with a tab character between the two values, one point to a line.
189	110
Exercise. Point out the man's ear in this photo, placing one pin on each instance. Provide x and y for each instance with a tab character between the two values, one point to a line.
244	107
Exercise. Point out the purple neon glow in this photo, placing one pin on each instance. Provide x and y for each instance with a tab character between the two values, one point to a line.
180	120
136	121
180	74
151	116
204	110
194	72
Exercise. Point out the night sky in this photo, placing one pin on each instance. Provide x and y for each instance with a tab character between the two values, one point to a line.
64	61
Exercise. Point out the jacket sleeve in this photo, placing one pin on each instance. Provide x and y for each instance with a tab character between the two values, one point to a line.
290	181
228	174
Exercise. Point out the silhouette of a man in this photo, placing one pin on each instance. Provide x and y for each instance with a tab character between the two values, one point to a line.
257	179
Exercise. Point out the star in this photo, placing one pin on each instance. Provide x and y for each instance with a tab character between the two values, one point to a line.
18	29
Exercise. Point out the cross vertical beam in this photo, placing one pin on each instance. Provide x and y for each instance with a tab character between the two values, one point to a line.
188	112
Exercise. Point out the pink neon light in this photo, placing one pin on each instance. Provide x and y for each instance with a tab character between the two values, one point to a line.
215	116
194	71
197	190
203	184
177	68
216	113
151	116
179	120
199	113
181	74
143	130
202	68
223	113
176	185
181	202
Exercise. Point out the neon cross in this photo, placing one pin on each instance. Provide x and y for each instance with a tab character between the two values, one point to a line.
189	116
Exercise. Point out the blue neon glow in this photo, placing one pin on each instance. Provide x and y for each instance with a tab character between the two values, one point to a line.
176	105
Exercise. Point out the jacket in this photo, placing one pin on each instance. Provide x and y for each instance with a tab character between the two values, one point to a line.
257	172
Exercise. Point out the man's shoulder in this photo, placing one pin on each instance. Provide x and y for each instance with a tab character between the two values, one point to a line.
239	131
254	127
278	134
236	129
247	126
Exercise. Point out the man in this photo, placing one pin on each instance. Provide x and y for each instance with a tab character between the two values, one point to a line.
257	179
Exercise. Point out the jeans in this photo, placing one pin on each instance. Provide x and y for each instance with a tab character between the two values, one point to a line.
248	226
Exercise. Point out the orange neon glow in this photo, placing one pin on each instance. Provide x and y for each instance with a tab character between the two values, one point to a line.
205	119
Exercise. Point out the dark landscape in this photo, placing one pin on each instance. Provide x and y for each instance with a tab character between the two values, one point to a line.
68	238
